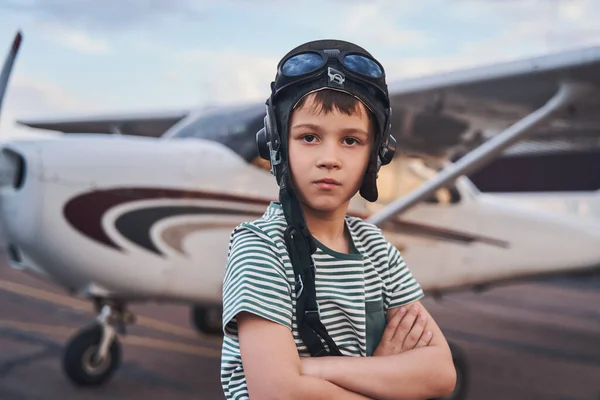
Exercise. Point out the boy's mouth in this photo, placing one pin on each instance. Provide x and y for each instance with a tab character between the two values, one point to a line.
327	183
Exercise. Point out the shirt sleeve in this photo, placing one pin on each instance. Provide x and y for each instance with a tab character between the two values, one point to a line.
254	280
401	287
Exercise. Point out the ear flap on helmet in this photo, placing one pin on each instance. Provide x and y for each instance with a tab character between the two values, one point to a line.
268	142
368	189
387	150
261	143
383	155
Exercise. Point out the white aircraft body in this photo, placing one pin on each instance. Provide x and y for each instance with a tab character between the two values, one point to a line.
584	205
146	214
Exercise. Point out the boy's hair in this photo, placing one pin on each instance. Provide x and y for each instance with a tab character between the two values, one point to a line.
328	100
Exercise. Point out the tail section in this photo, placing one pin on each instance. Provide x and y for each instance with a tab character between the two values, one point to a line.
7	68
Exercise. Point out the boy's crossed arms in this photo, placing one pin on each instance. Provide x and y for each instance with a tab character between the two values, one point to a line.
412	361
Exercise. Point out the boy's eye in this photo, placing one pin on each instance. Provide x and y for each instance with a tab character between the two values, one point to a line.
350	141
309	138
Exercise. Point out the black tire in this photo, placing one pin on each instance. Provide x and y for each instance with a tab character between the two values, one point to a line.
462	374
207	320
78	363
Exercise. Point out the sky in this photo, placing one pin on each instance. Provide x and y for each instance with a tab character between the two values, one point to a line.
89	57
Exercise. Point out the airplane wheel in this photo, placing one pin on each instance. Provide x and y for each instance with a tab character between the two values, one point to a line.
79	363
207	319
462	381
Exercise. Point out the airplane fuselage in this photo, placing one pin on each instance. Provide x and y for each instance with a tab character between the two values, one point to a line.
147	219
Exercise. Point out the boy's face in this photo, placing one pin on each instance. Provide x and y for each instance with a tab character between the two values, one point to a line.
328	155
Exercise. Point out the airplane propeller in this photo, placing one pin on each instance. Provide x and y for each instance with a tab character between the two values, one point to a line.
8	64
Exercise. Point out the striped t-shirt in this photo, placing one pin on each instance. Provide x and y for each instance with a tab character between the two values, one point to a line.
353	290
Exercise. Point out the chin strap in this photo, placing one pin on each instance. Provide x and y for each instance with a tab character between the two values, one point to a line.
301	246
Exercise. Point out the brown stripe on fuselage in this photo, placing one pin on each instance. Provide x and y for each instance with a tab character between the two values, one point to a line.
85	213
174	235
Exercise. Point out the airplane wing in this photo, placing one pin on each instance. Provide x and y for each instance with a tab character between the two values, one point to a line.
489	109
433	114
152	124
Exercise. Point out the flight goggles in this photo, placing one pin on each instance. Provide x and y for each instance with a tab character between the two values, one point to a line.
310	64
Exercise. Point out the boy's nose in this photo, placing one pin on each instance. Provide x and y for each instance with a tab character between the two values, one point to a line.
328	158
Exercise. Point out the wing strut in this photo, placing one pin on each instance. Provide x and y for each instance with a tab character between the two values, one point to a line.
486	152
115	129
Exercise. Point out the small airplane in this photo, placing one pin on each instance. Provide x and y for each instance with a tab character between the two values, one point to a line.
139	208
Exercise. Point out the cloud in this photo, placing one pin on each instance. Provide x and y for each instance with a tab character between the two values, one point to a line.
418	66
76	39
518	29
28	97
538	26
226	75
531	33
231	75
106	16
378	22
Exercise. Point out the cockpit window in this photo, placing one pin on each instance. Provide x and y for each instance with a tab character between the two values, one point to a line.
234	129
403	175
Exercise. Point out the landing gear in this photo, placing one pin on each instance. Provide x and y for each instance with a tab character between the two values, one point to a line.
94	353
207	319
462	381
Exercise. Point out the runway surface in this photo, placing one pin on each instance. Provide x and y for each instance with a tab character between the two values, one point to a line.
526	341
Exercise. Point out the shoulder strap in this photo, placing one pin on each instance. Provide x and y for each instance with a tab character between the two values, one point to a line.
300	247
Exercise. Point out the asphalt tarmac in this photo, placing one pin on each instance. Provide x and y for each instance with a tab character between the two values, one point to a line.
526	341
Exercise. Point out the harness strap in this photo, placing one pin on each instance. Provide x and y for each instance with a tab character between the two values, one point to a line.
300	248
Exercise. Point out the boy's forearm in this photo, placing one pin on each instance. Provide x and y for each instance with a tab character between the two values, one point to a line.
322	389
417	374
308	387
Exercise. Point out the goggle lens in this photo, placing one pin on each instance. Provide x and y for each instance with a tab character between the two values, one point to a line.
363	65
308	62
302	64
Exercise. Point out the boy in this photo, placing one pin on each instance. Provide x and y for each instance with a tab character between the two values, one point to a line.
308	280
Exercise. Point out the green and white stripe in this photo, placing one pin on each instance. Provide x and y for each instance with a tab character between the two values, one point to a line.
259	278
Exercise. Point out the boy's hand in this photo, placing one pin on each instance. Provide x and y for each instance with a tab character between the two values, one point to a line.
405	331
